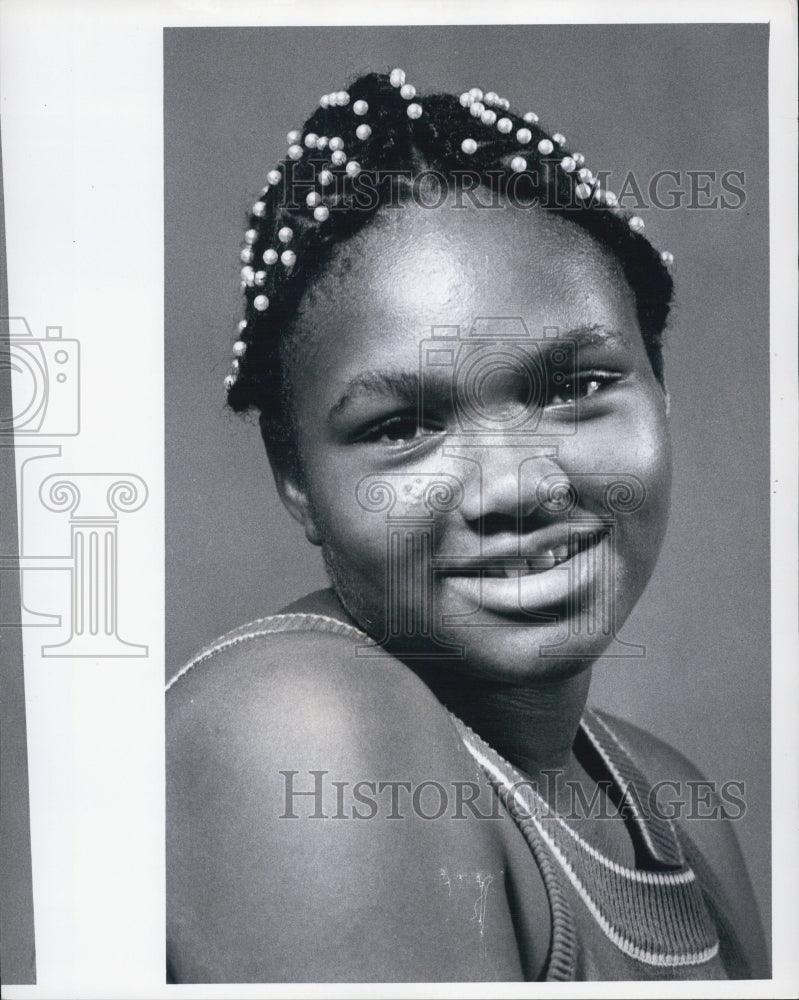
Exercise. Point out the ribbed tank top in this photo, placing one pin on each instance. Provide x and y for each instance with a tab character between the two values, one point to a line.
658	920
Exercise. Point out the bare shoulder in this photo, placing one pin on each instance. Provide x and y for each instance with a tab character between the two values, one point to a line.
706	810
304	842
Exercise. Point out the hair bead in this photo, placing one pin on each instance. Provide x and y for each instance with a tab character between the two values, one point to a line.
491	98
310	140
325	177
360	107
288	257
342	98
476	109
270	256
531	118
585	174
505	126
545	147
466	99
261	303
239	349
397	77
246	256
324	101
488	117
414	110
338	157
568	164
363	131
408	91
583	191
259	209
260	278
242	325
248	275
476	94
250	236
321	142
295	152
293	136
285	234
518	164
523	136
321	213
579	159
559	138
610	198
469	146
636	223
353	168
274	176
667	258
336	142
229	382
312	199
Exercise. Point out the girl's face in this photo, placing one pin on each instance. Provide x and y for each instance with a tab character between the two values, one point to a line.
468	387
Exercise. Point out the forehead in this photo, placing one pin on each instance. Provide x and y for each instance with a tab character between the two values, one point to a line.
415	268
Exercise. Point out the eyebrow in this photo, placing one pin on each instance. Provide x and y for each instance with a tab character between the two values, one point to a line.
405	386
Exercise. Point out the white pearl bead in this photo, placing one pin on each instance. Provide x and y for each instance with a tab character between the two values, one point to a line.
239	348
321	142
310	140
611	198
242	325
292	137
324	101
488	117
524	135
260	277
295	152
397	77
342	98
284	234
246	256
234	366
583	191
321	212
363	132
667	258
230	381
247	275
408	91
258	209
270	256
261	303
325	177
338	157
288	257
469	146
360	107
476	93
585	174
504	103
579	159
545	147
251	236
559	138
476	109
568	164
491	98
336	142
466	99
312	199
274	176
414	110
518	163
531	118
505	125
353	168
636	223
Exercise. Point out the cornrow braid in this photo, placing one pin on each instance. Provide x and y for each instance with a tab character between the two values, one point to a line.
365	148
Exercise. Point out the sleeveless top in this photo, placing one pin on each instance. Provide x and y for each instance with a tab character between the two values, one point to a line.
666	918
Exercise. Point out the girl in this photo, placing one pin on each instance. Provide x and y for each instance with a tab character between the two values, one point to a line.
452	336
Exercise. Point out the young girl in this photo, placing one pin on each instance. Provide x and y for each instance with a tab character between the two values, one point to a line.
452	335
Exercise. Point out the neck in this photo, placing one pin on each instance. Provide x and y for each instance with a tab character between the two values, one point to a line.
533	725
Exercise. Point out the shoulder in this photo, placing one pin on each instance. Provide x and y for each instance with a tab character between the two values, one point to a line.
704	811
294	817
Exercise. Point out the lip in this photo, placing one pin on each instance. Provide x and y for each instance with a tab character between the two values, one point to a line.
514	586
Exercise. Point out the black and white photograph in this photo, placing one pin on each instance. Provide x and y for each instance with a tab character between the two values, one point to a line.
401	576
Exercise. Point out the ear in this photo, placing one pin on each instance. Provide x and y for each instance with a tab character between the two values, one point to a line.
294	496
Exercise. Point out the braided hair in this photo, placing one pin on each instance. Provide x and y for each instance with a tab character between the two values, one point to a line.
366	148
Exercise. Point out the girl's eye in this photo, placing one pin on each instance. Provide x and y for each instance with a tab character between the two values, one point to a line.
566	391
400	430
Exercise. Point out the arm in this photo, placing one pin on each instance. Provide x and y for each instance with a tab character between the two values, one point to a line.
257	896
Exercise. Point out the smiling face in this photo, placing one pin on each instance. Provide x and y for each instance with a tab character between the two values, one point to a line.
467	387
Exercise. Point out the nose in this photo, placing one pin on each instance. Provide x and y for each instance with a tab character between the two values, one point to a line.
501	481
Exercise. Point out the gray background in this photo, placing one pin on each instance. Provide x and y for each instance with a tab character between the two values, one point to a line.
631	97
